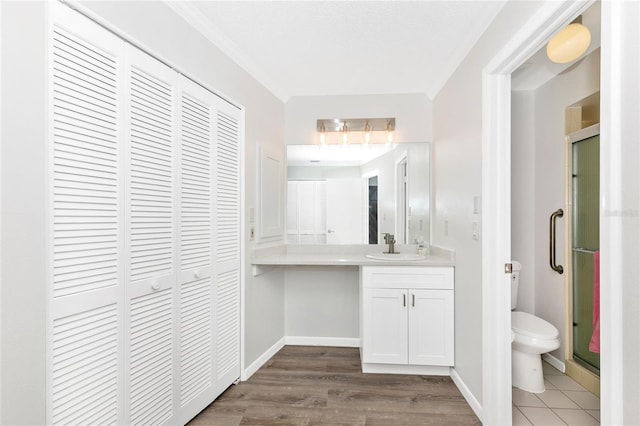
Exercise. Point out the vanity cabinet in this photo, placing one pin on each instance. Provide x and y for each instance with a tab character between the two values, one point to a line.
407	315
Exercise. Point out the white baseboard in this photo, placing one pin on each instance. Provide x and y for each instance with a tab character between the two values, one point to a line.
555	362
345	342
419	370
262	359
466	392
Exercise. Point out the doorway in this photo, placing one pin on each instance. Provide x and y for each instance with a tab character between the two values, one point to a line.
496	183
372	214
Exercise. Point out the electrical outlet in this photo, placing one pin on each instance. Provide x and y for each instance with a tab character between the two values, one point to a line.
252	234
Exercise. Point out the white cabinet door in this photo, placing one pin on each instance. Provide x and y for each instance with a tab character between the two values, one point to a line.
431	327
385	326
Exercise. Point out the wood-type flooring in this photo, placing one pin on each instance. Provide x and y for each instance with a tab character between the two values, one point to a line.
314	385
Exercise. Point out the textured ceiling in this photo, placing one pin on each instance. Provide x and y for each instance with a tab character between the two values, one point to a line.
310	48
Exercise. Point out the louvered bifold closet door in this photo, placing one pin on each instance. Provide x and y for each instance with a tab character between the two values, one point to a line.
195	275
151	252
227	245
84	374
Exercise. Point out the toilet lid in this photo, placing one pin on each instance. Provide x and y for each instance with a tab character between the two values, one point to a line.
532	326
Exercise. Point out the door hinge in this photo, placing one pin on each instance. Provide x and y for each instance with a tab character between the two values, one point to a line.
508	268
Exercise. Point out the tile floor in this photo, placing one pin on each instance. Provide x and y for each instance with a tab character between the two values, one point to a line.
564	402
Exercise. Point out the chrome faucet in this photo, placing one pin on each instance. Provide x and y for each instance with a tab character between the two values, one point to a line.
389	239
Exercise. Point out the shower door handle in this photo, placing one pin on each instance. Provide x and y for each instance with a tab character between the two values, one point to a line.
552	241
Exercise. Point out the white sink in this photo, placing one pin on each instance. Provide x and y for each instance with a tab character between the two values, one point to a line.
401	257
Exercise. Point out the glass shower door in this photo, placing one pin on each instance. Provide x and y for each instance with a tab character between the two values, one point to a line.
585	243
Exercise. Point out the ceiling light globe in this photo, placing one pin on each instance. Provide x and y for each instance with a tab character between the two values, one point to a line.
569	44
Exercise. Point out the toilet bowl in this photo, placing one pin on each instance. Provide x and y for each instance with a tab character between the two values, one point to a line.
532	337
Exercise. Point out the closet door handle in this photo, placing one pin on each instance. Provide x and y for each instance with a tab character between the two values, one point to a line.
404	300
552	241
413	300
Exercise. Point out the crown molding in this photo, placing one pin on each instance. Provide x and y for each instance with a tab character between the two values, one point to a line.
198	20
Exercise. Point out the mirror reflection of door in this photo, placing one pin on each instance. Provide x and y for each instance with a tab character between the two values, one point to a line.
344	207
306	223
402	196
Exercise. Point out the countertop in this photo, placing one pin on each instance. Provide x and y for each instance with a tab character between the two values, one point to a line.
345	255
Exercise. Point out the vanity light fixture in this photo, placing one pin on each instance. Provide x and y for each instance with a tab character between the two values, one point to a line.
570	43
355	130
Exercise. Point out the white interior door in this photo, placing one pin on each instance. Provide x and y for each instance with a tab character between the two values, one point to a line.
344	214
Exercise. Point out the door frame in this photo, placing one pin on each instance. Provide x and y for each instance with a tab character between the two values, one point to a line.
402	191
365	205
496	201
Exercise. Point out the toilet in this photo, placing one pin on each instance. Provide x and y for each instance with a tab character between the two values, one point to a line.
533	337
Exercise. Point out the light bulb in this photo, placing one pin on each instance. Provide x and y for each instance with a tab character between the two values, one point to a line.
323	134
345	133
367	133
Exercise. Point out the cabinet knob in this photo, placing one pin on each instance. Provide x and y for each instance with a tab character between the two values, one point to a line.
197	275
155	286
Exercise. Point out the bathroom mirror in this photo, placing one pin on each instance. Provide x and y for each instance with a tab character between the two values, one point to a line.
354	194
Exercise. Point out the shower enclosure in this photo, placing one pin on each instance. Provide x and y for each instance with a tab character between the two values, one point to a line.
585	194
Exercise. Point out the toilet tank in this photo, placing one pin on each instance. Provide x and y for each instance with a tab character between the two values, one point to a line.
516	267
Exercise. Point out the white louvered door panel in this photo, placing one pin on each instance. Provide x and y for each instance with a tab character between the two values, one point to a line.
85	316
227	245
195	276
150	266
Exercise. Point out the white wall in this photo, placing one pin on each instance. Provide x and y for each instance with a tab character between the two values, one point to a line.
322	301
412	112
523	232
320	172
24	128
457	175
551	100
23	205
